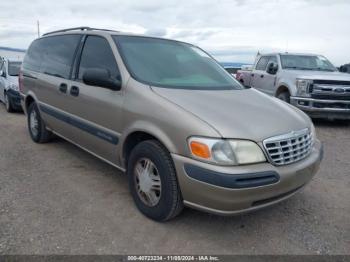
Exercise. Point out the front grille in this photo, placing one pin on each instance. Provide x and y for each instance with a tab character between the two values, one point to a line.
331	90
288	148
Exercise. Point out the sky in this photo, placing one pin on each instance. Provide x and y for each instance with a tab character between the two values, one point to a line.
231	30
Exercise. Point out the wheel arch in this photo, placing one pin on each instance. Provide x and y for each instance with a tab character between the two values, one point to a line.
134	136
282	88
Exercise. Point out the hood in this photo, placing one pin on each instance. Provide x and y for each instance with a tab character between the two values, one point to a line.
246	114
12	80
318	75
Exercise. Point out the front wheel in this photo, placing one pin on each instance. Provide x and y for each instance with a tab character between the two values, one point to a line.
153	181
36	126
284	96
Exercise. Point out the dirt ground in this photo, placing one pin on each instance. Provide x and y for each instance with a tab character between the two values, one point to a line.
57	199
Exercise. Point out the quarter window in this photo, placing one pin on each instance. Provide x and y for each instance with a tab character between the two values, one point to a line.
97	53
33	57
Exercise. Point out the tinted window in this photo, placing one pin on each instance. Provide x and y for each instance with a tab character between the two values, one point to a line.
172	64
261	65
98	54
14	68
59	54
33	57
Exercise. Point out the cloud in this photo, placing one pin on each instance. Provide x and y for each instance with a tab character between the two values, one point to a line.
229	29
158	32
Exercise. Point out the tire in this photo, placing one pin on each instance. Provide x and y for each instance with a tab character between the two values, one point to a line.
284	96
168	202
36	125
8	104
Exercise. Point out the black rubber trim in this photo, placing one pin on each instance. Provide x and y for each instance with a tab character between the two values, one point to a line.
14	97
231	180
102	134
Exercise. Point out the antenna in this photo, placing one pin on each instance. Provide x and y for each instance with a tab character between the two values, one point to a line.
38	27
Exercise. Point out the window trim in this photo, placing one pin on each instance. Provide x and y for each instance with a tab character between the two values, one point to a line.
80	53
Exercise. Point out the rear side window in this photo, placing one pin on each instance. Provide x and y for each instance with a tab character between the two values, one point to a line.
52	55
97	53
261	65
59	54
33	57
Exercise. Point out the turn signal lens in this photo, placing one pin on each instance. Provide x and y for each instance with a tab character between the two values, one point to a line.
200	150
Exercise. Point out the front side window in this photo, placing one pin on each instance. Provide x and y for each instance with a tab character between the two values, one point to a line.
261	65
306	62
14	68
59	54
172	64
97	53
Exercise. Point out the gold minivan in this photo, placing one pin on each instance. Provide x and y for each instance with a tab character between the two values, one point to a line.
184	131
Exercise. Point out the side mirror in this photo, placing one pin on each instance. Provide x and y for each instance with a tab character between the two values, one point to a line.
343	69
102	78
272	68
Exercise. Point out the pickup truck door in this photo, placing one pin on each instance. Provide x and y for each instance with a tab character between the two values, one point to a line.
262	80
256	79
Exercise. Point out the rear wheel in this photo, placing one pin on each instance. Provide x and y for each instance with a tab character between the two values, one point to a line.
153	181
284	96
8	105
36	125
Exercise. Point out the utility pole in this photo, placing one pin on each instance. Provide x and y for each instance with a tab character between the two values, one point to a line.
38	25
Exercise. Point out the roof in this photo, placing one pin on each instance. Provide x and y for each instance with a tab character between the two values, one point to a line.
289	53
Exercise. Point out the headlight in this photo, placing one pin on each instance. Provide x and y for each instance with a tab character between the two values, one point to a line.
14	87
303	87
226	152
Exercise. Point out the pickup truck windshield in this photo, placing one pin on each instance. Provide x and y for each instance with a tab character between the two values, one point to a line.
14	68
305	62
172	64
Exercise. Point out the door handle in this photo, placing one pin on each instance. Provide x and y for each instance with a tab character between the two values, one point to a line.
252	74
74	91
63	88
262	76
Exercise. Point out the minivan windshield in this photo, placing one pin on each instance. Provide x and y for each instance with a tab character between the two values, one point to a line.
14	68
306	62
172	64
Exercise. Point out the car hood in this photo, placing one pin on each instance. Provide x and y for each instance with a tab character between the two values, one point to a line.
12	80
318	75
245	114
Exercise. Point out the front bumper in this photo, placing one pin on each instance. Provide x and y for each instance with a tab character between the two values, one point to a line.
14	99
217	196
321	108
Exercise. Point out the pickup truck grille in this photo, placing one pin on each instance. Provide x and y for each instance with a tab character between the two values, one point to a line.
289	148
330	89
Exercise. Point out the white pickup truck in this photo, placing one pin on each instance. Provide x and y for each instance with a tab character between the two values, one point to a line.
309	82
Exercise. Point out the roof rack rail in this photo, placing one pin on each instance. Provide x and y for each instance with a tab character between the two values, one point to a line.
82	28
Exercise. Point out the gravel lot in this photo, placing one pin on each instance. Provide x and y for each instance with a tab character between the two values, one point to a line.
57	199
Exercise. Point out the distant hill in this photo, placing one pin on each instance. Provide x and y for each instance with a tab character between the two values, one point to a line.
12	49
232	64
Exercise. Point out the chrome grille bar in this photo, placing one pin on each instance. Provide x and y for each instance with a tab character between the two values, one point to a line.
289	148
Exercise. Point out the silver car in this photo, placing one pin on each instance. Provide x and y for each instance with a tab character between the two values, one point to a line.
9	93
184	131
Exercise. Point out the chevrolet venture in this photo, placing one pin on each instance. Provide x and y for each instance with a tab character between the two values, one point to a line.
183	129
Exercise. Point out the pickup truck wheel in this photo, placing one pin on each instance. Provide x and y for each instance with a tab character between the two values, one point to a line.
36	125
153	181
8	105
284	96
